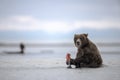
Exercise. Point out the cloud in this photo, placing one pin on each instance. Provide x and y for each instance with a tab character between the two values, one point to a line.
31	23
98	24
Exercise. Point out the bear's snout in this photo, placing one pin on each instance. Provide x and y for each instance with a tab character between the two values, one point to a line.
78	43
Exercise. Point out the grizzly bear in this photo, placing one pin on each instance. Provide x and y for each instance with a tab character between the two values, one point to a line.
87	54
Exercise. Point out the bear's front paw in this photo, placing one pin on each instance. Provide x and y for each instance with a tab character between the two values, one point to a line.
69	66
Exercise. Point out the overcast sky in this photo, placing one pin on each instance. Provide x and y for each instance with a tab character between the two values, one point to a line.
58	19
59	15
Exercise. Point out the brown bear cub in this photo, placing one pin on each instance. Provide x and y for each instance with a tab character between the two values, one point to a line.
87	54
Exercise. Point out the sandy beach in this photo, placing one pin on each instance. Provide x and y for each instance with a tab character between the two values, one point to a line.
27	67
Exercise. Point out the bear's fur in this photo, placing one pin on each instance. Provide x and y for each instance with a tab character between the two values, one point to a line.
87	54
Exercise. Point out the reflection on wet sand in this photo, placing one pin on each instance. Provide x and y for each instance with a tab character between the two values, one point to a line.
11	52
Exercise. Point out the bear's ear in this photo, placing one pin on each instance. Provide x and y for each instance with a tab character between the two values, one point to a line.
86	35
75	35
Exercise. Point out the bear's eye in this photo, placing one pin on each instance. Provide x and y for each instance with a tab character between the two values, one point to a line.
81	38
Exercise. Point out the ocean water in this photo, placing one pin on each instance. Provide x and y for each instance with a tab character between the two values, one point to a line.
42	52
52	51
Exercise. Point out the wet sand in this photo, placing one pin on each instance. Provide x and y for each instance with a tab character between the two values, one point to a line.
25	67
